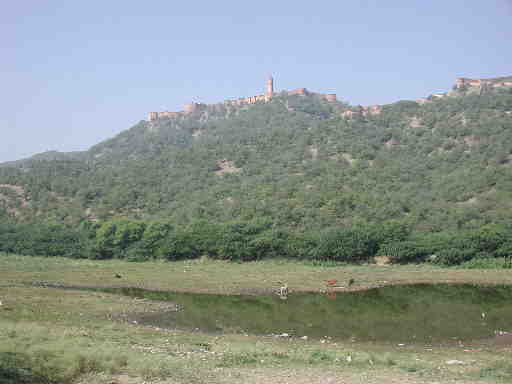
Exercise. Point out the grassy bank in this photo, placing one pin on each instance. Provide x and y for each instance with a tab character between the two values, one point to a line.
54	335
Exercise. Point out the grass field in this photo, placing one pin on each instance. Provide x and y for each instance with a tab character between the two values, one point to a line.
56	335
210	276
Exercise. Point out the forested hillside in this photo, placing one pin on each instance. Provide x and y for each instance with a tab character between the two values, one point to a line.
444	165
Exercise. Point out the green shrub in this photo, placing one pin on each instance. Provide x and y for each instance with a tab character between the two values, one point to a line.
454	256
15	369
247	241
179	245
113	237
344	244
404	252
320	356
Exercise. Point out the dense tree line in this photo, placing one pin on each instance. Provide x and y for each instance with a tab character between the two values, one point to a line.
137	240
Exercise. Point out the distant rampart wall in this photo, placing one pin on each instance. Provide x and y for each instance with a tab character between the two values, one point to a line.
269	94
187	110
463	82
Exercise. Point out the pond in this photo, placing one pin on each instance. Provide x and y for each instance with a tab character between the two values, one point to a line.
418	313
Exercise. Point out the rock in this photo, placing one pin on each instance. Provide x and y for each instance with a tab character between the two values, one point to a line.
455	362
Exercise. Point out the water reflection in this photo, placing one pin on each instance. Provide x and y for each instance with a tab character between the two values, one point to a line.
404	314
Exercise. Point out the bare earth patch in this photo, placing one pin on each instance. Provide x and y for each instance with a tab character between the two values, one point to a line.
345	156
415	122
20	196
226	166
471	201
313	151
392	143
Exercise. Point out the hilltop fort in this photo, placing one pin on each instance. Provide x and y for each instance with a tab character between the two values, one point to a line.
462	84
264	98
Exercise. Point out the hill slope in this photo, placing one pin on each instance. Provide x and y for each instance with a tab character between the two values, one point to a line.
303	163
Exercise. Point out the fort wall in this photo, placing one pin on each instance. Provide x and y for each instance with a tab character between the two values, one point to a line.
269	94
463	82
298	91
193	107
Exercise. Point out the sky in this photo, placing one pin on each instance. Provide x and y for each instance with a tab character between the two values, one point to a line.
74	73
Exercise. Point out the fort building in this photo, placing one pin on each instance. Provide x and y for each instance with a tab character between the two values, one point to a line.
463	82
266	97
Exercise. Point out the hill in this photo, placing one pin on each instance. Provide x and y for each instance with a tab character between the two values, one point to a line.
302	163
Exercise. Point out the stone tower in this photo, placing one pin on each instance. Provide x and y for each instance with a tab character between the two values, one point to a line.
270	88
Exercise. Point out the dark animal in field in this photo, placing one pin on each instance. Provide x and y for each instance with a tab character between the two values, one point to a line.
350	282
118	276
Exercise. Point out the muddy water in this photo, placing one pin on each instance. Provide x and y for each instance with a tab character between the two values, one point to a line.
403	314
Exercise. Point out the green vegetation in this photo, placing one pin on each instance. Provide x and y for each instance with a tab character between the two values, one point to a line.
137	240
290	178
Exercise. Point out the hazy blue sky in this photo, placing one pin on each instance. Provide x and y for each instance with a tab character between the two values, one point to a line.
73	73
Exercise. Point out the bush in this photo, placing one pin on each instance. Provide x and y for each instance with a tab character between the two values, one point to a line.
269	244
454	256
344	244
246	241
300	245
487	239
14	369
404	252
178	246
115	236
43	239
505	250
